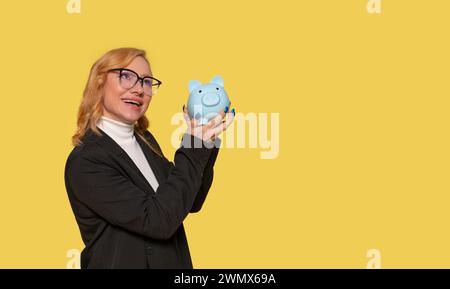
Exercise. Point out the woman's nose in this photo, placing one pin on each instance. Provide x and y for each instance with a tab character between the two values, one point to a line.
138	88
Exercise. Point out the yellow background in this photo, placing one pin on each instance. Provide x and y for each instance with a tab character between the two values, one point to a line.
363	102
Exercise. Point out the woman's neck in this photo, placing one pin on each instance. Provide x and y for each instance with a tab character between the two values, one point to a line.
116	129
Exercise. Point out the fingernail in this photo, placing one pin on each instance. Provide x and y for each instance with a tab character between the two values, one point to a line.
233	111
226	109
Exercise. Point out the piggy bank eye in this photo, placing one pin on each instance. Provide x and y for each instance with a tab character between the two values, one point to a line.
217	88
200	91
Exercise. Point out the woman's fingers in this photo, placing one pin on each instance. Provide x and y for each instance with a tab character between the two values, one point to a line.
227	122
215	131
212	128
186	116
216	120
194	122
185	112
208	132
191	122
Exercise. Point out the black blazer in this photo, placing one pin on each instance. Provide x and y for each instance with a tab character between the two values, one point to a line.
123	222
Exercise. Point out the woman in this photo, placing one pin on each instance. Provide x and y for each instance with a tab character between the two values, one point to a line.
129	201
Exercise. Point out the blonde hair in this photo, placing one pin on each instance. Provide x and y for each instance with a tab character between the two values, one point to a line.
91	107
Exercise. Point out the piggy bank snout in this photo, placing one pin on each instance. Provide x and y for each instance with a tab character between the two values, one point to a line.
210	99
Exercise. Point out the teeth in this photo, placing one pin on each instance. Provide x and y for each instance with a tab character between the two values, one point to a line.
132	101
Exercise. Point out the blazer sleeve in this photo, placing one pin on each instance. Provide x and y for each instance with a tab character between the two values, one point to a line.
208	175
208	172
115	198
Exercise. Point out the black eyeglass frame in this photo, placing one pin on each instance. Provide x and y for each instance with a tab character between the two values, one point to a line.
138	78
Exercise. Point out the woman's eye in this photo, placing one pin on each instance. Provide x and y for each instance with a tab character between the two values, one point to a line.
147	82
125	76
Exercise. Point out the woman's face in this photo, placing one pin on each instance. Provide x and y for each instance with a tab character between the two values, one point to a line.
115	96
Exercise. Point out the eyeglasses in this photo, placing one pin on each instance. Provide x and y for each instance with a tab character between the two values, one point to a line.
128	79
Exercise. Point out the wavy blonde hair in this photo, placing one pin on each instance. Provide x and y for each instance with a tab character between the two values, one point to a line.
91	107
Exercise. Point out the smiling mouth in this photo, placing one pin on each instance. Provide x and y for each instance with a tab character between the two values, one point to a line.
129	101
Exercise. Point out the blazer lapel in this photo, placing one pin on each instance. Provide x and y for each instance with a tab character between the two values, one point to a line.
107	143
152	159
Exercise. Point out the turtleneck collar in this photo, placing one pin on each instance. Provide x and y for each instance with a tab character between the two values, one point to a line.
119	131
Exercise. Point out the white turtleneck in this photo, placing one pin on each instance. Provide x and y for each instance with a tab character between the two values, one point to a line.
123	135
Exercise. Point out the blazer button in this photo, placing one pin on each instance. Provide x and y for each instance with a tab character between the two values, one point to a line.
148	250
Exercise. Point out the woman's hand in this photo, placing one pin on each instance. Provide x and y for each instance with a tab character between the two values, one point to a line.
210	130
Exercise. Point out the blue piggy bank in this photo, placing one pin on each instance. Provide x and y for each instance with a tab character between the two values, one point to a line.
207	100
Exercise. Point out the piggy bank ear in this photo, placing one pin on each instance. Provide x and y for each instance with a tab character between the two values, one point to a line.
193	84
217	80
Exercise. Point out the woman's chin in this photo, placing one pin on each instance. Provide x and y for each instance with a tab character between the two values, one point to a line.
131	119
